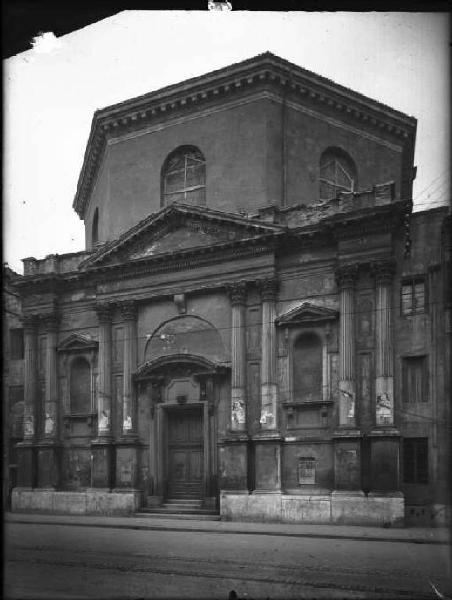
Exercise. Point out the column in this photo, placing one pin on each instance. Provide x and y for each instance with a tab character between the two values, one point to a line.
267	443
345	277
269	405
49	447
126	447
26	468
347	440
233	451
384	438
129	314
102	446
384	388
237	295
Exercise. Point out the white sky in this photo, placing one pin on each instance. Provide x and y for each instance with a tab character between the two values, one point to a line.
52	90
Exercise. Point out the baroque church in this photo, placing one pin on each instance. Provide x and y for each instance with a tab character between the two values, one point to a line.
258	326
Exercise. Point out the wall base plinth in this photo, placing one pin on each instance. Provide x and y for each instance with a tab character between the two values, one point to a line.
88	502
337	507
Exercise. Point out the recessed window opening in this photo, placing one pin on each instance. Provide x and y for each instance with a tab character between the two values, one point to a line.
307	368
413	296
184	177
80	386
337	174
95	228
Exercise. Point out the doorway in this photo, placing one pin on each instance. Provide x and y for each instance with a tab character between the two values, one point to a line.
185	455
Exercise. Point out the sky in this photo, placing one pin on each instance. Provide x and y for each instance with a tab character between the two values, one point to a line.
52	90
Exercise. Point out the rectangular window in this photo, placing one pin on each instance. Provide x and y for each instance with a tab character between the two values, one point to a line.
17	344
415	460
413	297
306	470
415	379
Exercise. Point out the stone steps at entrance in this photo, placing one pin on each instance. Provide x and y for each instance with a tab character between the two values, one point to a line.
198	516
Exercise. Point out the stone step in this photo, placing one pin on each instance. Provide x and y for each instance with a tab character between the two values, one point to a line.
184	501
180	511
167	515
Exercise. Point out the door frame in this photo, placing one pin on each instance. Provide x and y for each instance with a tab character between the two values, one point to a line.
201	409
161	446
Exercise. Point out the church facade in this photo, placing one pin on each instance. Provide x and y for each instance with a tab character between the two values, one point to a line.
258	320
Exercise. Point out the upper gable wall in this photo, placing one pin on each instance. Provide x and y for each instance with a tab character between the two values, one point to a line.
233	141
242	144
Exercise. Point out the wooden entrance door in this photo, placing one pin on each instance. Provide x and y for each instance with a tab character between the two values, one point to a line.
185	453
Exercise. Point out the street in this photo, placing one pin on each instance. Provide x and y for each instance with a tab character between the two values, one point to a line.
59	561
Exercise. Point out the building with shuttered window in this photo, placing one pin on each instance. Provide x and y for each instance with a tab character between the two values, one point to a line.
259	325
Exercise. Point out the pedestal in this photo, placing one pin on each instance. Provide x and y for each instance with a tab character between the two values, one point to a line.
126	464
102	464
267	452
26	465
49	465
234	464
347	460
384	459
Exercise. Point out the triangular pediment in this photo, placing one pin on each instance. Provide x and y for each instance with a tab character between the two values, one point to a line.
306	313
77	343
176	230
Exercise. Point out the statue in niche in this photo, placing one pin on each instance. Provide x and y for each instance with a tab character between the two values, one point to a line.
104	420
238	412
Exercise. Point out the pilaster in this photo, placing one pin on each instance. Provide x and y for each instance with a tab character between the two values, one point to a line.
26	450
237	295
269	399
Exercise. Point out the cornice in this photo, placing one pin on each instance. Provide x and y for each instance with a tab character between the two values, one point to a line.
265	69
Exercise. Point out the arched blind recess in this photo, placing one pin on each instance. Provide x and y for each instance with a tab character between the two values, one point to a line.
184	177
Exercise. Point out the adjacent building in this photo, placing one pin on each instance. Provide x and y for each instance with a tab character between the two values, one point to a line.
258	320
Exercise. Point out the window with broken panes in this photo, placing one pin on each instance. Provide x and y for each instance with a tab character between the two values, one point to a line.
184	178
337	174
413	297
415	460
306	470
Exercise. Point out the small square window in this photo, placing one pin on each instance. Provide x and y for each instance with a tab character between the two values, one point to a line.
413	297
16	344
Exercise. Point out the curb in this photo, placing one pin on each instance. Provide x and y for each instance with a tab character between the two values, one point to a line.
195	529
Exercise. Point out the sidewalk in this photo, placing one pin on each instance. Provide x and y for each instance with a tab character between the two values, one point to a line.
418	535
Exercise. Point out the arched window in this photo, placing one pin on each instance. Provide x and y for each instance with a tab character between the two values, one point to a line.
184	177
95	228
337	173
307	368
80	386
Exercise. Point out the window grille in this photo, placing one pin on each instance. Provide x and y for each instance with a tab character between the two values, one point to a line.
306	470
413	297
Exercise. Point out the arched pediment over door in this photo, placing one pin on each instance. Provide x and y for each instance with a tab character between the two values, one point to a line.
186	335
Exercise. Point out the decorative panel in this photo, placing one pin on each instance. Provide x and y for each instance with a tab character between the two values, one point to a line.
253	331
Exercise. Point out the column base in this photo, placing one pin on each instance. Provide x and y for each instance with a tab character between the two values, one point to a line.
102	463
384	459
233	459
49	464
347	459
126	466
267	461
26	464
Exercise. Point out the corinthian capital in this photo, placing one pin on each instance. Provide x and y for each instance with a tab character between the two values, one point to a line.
237	292
104	312
51	321
128	310
346	275
269	289
383	271
30	323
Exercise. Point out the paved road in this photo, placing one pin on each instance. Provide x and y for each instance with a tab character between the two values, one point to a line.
57	561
